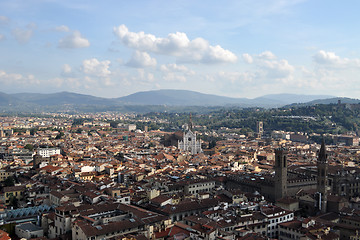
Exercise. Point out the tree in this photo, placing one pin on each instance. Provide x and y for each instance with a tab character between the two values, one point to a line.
9	182
32	131
13	201
30	147
59	135
119	156
212	144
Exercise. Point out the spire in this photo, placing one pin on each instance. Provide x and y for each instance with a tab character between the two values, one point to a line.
190	124
322	152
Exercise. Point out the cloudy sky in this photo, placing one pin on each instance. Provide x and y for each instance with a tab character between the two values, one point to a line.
240	48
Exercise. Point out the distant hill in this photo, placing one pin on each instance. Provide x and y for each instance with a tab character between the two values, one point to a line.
285	98
163	99
6	99
62	98
180	98
192	98
333	100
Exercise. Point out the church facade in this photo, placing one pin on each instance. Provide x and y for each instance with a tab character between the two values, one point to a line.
189	142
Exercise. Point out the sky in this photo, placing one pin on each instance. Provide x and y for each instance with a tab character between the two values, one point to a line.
240	48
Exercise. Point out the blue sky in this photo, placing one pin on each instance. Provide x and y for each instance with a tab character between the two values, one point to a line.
241	48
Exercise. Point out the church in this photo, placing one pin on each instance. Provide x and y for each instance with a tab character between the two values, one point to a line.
189	142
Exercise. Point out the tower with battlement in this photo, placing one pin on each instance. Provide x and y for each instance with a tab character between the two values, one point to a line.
280	180
322	177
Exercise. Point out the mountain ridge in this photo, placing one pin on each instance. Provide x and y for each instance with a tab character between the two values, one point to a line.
164	97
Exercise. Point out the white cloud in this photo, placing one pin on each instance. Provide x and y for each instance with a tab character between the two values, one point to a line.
330	58
67	70
267	55
269	67
172	67
92	74
175	73
175	44
280	69
210	78
62	28
247	58
141	60
69	82
2	37
24	35
4	20
145	77
96	68
74	40
173	77
237	77
17	79
331	73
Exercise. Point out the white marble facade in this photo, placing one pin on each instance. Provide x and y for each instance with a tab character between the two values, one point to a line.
189	143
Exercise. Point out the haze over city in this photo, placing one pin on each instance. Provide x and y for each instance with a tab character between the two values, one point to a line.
232	48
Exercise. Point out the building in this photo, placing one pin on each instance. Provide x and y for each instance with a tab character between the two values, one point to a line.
306	229
39	161
189	142
259	129
347	140
280	174
4	235
322	178
28	230
47	152
5	173
285	181
200	186
112	221
275	216
127	127
13	194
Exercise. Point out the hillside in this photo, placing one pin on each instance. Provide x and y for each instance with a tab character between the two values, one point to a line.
160	100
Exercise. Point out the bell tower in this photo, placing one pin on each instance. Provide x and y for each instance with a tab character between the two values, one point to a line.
190	123
280	173
322	180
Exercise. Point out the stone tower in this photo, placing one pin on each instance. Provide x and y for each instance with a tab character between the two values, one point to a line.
322	181
190	126
280	173
259	129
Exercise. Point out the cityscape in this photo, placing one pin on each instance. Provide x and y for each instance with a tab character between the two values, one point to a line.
179	120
